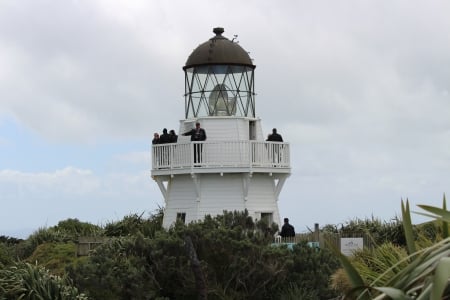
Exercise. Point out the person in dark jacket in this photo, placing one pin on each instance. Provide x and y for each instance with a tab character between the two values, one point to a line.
173	136
197	134
274	137
287	230
275	148
165	137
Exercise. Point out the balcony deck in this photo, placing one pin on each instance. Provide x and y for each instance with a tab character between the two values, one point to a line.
220	156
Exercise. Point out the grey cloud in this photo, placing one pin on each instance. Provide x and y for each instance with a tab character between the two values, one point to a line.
360	89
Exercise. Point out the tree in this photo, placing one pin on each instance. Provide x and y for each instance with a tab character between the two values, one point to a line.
229	257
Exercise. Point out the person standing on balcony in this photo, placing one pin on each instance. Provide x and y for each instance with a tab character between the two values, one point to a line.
173	136
165	137
287	230
155	141
155	138
275	137
197	134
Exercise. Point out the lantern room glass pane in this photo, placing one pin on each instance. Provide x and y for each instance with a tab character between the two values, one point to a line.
219	90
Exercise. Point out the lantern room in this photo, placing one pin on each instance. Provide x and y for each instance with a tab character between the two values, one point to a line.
219	79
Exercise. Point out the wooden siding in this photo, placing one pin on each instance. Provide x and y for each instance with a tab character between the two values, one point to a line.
182	197
219	193
261	197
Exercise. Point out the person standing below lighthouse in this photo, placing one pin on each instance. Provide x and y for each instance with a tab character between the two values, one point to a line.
197	134
287	230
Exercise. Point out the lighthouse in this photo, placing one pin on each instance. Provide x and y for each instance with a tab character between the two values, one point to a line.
234	168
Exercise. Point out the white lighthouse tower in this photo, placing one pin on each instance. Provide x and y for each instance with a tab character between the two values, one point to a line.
234	168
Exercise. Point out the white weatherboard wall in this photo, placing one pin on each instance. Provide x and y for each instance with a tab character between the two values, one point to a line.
261	197
181	197
223	128
218	193
216	187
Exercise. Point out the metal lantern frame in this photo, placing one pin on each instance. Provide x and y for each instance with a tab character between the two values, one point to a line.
219	89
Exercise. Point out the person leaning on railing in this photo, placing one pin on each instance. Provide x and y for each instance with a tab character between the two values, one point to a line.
197	134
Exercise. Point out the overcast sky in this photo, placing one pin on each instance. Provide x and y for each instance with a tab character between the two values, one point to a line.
360	89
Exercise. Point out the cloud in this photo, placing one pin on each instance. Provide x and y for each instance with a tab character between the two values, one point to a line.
142	158
360	90
87	71
45	198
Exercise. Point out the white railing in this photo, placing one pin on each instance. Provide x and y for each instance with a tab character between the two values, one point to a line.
220	154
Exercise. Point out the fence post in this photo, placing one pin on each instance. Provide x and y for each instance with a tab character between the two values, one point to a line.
316	232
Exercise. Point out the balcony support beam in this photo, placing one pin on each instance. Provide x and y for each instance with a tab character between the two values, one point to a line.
162	187
279	186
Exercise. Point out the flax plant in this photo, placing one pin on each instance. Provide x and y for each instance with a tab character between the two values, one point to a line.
26	281
422	274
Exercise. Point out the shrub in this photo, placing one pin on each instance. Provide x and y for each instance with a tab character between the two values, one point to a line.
40	236
74	228
25	281
54	256
134	223
422	274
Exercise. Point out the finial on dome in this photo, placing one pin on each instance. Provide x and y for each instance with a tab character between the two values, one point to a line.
218	30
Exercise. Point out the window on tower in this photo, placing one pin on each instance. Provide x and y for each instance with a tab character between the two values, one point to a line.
268	217
181	216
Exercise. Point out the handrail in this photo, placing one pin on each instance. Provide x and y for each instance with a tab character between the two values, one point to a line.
215	154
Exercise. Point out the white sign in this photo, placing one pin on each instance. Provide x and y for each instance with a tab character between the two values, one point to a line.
350	245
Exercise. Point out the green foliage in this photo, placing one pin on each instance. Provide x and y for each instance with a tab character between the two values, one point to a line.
238	261
40	236
8	250
7	240
132	224
294	292
235	260
422	274
128	268
5	256
311	269
66	231
387	259
379	231
54	256
25	281
407	224
75	228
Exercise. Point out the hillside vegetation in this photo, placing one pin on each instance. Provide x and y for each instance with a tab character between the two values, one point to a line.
226	257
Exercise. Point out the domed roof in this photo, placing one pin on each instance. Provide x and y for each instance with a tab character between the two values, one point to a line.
218	50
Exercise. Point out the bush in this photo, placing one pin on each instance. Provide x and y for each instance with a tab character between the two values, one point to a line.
5	256
40	236
74	228
312	269
225	257
132	224
54	256
25	281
